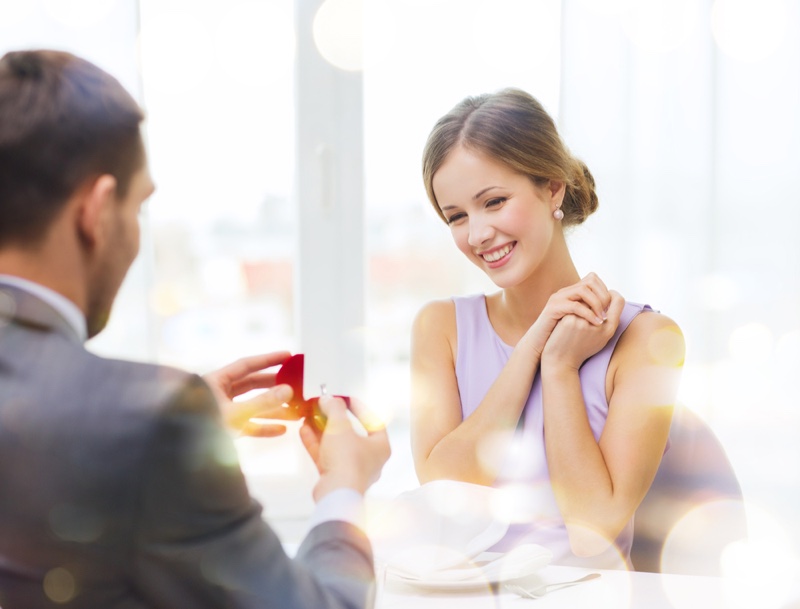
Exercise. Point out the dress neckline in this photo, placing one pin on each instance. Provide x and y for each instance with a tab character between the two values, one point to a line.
485	310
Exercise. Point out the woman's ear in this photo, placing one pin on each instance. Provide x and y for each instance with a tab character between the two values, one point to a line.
556	189
96	201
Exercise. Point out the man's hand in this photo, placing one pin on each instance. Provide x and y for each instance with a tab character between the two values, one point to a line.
245	375
344	458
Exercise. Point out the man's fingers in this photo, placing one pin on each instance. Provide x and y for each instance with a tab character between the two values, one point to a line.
368	418
270	403
253	429
267	405
246	366
254	363
256	380
310	440
335	410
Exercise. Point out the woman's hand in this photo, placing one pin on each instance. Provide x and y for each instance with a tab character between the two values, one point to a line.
245	375
588	300
574	339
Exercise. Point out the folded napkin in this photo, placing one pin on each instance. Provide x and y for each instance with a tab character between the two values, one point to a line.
442	530
438	525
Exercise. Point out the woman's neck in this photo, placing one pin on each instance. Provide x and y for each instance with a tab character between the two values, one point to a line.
514	309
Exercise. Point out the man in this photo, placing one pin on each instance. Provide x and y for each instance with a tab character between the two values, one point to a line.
119	486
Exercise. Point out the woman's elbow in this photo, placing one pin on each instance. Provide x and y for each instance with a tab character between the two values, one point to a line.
586	541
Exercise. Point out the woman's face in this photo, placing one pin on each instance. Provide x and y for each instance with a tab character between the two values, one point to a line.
499	218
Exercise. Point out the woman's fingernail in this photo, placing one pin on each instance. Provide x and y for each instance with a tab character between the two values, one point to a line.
598	321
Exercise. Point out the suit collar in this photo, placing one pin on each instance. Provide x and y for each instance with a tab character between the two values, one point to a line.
21	307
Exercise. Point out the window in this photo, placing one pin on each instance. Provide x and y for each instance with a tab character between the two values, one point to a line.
685	111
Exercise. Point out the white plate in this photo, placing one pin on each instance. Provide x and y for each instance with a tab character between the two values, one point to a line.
516	564
422	584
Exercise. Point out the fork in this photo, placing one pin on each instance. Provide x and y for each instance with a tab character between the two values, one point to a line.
540	591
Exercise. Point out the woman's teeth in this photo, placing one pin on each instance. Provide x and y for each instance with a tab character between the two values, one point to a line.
497	254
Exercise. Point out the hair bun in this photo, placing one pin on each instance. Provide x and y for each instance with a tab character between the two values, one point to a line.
580	201
25	65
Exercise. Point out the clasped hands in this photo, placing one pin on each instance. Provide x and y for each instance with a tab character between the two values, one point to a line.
577	322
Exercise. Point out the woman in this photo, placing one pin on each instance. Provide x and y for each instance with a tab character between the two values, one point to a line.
554	384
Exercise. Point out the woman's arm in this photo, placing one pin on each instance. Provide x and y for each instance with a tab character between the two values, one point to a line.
599	485
473	450
444	446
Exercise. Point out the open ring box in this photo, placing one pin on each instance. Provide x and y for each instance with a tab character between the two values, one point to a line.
291	373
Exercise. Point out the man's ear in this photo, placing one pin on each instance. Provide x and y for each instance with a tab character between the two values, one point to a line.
97	197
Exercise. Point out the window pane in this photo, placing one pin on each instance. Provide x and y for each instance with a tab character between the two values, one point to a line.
459	48
221	133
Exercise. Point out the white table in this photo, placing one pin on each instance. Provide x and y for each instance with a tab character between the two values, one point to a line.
613	590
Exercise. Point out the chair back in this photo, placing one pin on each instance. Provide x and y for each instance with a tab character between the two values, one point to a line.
694	507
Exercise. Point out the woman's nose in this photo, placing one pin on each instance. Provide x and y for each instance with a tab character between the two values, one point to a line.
480	231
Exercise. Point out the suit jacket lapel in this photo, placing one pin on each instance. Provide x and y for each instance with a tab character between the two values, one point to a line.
20	307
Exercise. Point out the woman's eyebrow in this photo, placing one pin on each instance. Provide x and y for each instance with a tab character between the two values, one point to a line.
474	197
485	190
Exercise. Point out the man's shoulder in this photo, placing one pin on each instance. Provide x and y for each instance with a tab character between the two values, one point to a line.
137	369
144	382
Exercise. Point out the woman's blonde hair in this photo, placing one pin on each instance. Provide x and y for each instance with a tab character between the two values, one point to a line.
512	127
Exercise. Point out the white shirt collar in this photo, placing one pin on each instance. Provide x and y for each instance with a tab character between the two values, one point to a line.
65	307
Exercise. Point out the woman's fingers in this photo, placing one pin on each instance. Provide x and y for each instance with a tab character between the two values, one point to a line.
589	299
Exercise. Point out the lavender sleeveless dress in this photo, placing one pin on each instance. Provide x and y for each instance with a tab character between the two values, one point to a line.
531	505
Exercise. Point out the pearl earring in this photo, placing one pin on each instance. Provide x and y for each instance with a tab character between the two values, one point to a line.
558	214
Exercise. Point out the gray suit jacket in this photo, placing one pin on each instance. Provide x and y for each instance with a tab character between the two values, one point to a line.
119	488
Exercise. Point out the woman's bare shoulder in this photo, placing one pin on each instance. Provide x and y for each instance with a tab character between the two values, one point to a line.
434	331
651	338
436	314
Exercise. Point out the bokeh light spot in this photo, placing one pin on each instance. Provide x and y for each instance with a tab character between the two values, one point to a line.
493	449
338	33
59	585
759	572
666	347
354	34
517	503
696	542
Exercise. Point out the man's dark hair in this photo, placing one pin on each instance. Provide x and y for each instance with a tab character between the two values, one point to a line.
63	121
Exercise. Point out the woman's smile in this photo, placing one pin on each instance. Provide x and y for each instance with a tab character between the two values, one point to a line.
497	257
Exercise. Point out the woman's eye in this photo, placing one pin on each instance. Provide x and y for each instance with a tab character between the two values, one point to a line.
495	202
456	217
